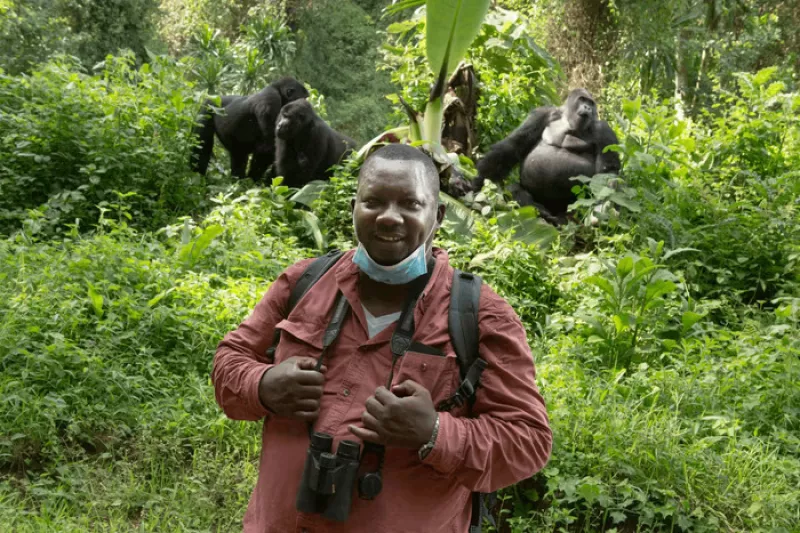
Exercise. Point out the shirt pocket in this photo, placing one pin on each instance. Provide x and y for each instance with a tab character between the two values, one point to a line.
437	373
299	339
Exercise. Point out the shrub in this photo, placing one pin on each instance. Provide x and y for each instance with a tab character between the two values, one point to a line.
68	140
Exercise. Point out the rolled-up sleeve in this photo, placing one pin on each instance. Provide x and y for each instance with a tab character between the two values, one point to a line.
241	360
507	438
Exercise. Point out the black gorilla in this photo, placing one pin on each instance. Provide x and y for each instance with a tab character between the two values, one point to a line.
306	147
247	127
553	145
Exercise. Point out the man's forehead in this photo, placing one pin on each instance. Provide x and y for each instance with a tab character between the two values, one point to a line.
395	174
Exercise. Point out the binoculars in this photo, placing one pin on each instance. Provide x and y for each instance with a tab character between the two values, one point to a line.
328	479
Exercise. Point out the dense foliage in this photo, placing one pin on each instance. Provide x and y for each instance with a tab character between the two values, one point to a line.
663	319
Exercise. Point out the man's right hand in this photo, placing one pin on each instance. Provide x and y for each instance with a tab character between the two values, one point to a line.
293	388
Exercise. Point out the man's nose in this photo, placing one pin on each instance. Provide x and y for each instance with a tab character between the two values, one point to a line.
389	217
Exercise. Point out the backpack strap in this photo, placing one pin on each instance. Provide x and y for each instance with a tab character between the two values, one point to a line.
462	321
310	276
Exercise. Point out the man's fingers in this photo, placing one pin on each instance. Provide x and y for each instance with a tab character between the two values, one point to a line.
306	416
365	434
309	391
374	407
309	377
383	395
306	363
309	363
406	388
370	422
306	405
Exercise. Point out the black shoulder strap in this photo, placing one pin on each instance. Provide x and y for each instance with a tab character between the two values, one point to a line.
310	276
462	321
465	298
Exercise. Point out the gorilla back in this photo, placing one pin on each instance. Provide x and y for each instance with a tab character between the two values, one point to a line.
306	147
246	128
553	145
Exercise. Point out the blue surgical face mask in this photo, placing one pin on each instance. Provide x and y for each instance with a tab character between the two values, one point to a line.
410	268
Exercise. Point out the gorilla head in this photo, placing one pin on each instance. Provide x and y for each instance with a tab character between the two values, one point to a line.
581	110
290	90
294	118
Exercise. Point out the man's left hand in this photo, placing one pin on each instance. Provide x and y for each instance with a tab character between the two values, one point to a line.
402	418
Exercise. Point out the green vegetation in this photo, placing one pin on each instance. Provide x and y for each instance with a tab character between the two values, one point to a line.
664	319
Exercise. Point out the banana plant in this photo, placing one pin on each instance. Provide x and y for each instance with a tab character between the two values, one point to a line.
450	28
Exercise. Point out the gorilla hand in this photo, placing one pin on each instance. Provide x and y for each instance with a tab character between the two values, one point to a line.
293	388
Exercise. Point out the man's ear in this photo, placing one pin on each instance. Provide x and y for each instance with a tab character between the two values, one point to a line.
440	211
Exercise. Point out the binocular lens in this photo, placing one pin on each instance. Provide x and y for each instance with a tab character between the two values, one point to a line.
321	442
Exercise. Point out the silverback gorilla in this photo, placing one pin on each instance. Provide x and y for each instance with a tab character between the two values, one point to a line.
247	127
306	147
553	145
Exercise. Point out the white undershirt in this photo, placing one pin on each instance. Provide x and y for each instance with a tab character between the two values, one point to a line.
376	324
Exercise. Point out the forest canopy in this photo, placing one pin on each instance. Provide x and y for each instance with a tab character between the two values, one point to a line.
663	316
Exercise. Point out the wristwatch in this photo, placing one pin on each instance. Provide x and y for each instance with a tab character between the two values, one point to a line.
428	446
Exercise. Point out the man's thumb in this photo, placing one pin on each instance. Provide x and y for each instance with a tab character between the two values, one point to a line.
306	363
406	388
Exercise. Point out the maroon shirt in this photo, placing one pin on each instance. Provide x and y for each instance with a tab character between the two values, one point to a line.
507	439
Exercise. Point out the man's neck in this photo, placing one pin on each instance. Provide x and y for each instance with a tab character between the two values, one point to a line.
381	298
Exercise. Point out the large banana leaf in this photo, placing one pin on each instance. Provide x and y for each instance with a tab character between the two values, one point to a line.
450	27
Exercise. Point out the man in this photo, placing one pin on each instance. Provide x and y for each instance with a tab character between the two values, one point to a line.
433	460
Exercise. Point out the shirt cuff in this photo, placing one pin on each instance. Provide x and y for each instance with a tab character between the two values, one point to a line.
252	381
448	452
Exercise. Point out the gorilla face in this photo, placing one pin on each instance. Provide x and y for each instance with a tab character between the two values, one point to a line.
581	109
294	118
290	90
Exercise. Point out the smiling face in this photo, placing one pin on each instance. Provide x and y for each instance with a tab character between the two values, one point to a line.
396	209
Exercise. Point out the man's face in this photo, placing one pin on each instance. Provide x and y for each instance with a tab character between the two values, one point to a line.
395	210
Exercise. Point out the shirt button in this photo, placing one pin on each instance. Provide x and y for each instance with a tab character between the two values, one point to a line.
424	367
346	392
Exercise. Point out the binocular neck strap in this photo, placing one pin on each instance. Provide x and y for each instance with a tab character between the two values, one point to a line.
340	309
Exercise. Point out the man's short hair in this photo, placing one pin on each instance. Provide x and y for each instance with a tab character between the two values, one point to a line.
405	152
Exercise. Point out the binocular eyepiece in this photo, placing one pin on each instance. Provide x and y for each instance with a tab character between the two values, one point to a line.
328	478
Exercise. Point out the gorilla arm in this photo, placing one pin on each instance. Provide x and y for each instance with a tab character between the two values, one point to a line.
511	151
266	105
604	136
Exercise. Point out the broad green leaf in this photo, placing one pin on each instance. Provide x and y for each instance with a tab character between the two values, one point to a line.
622	322
528	227
311	222
450	27
189	253
624	266
689	319
309	192
158	297
764	75
96	300
401	132
659	288
631	108
677	251
403	5
588	491
602	283
624	201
